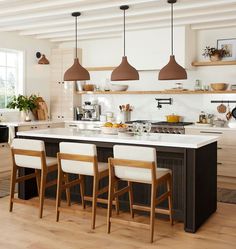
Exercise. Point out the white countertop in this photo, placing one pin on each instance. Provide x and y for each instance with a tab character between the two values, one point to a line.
203	127
36	122
167	140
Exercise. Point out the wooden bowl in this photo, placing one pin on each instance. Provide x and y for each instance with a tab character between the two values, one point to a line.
219	86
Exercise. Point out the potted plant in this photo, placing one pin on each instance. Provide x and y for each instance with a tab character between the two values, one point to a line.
24	103
214	54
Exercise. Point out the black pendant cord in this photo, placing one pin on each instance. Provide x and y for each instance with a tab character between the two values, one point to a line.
172	29
124	34
76	37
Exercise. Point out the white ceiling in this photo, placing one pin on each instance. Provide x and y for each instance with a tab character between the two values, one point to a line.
51	19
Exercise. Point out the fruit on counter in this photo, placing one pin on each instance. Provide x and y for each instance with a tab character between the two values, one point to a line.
108	124
115	125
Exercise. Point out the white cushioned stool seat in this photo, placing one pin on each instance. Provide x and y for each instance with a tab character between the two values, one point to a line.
50	161
32	162
139	154
79	167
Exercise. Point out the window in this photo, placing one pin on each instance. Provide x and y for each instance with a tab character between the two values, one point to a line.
11	75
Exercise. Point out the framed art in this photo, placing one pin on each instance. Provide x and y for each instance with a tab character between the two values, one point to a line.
230	46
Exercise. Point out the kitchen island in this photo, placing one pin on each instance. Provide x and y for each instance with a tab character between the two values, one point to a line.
192	159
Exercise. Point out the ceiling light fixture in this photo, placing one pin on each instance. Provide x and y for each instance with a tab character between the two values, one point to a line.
76	72
124	71
172	71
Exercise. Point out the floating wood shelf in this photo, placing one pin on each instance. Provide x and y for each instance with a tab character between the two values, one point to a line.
100	68
213	63
158	92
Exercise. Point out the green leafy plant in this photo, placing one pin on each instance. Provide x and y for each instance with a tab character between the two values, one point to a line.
208	52
23	103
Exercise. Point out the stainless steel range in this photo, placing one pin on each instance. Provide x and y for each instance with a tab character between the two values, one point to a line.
163	127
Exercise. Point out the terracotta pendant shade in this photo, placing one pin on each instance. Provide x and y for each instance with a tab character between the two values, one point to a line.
76	72
172	71
43	60
124	71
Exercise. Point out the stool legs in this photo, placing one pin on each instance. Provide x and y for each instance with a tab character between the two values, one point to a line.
42	192
82	191
12	188
109	206
59	191
37	172
131	199
68	199
152	213
94	204
170	202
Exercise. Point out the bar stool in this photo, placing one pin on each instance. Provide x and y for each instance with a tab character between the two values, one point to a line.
138	164
27	153
81	159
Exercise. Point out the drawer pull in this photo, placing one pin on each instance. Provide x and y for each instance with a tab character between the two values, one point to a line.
72	125
211	132
219	148
219	163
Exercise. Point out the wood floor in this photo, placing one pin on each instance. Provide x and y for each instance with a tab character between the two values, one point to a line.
22	229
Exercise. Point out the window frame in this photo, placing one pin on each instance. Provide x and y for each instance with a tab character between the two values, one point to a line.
20	73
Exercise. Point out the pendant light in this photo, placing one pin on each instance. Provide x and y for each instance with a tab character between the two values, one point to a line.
172	71
124	71
76	71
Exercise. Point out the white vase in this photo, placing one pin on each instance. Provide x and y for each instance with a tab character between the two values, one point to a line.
25	116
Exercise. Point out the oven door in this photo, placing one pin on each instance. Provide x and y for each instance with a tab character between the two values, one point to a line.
4	134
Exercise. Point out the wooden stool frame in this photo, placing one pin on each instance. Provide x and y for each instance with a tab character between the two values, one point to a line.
113	193
40	178
80	181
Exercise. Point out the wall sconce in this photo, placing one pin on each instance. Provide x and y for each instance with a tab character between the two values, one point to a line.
42	59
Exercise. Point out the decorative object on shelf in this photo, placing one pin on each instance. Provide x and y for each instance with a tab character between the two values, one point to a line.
172	71
76	71
161	102
119	88
198	85
124	71
214	54
24	104
229	46
42	59
219	86
88	87
233	87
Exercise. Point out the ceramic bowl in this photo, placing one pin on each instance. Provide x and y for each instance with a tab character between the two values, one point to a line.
118	88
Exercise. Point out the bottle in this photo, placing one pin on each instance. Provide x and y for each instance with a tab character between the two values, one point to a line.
198	85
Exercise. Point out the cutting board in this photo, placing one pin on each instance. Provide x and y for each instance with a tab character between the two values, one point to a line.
42	109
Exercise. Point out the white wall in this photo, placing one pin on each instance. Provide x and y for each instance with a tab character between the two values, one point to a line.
108	52
37	77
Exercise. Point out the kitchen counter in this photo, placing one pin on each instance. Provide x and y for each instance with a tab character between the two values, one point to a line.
167	140
192	159
22	123
202	127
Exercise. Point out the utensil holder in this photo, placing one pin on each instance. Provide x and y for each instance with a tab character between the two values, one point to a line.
123	116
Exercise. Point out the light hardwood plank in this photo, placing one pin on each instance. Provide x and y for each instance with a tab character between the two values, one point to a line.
22	229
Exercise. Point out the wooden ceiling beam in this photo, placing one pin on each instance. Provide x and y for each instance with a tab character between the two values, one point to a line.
132	20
